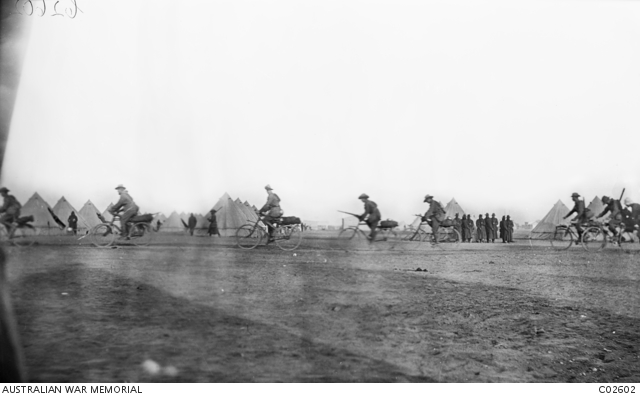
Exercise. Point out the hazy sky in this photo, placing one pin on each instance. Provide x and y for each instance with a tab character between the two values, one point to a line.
504	105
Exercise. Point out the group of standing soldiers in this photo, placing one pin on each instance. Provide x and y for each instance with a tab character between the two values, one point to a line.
484	229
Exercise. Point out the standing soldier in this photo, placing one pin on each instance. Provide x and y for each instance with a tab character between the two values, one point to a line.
583	214
73	223
213	224
480	229
192	222
494	223
509	226
371	215
471	228
457	224
464	227
615	208
488	226
503	229
434	215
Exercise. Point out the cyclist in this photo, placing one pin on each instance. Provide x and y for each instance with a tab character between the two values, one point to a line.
10	209
371	215
434	215
271	210
615	208
583	214
631	215
129	208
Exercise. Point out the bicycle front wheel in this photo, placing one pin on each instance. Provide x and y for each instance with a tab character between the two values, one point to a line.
593	239
140	234
103	235
562	238
24	236
350	238
288	238
249	236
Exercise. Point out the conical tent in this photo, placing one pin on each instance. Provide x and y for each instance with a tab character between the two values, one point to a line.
63	210
90	213
42	218
106	214
453	208
547	225
596	206
246	210
230	216
173	223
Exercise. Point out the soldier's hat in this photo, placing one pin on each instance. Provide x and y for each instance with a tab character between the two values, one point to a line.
120	186
4	189
605	199
575	195
427	197
494	214
363	196
487	214
268	187
457	214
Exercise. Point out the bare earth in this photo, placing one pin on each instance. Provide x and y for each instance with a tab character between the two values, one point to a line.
482	313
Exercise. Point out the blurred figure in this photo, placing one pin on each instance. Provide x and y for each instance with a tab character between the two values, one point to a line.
480	230
464	228
488	227
192	224
158	225
503	229
11	358
457	224
614	207
494	223
434	215
471	226
213	224
129	208
583	214
371	215
509	228
631	215
10	209
73	222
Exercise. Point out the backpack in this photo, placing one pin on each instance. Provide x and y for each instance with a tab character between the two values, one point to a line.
388	224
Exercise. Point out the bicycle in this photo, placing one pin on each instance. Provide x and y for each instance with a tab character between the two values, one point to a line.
286	237
447	238
140	231
565	236
20	232
624	239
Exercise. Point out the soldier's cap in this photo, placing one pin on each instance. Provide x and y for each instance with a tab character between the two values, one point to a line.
487	214
120	186
575	195
628	201
268	187
363	196
4	189
605	199
457	214
427	197
493	214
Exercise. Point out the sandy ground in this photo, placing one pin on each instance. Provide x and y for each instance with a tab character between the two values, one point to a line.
206	311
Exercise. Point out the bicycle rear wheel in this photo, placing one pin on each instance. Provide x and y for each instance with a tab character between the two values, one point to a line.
448	239
249	236
140	234
593	239
562	238
24	236
103	235
288	238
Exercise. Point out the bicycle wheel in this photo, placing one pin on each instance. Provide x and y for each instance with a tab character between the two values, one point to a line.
448	238
249	236
288	238
628	242
24	236
562	238
350	238
103	235
140	234
593	239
